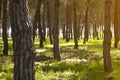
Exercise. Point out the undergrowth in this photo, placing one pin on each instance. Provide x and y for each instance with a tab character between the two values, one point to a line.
85	63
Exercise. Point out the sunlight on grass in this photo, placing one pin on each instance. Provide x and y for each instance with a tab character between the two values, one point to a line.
6	68
84	63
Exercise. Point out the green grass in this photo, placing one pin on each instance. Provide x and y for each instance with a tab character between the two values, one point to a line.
6	68
84	63
10	48
75	71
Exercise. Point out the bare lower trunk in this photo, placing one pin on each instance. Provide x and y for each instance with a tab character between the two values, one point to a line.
107	37
40	35
0	8
49	22
64	31
44	27
67	23
56	31
71	32
95	32
51	35
75	27
79	27
35	22
86	32
40	32
4	28
116	23
24	51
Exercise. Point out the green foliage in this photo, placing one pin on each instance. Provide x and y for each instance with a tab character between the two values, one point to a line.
63	66
84	63
74	71
6	68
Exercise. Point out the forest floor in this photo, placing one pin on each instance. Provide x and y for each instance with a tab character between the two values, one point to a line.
85	63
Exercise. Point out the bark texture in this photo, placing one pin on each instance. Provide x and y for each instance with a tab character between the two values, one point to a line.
35	22
117	23
75	27
43	22
68	21
41	36
0	8
56	30
49	22
107	37
4	27
86	32
95	32
24	51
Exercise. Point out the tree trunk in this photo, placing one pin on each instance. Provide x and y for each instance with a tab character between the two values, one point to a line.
36	18
44	27
4	28
81	32
64	31
107	37
95	32
49	22
116	23
50	34
24	51
56	30
79	27
67	22
40	30
75	26
0	8
101	31
71	31
86	32
37	23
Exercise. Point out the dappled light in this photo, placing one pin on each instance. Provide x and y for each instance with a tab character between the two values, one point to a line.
59	40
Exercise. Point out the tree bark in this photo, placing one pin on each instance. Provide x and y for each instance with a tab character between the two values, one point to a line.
67	22
86	32
35	22
95	32
49	22
107	37
44	27
79	27
40	30
0	8
24	51
56	30
64	31
116	23
71	31
4	28
75	27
